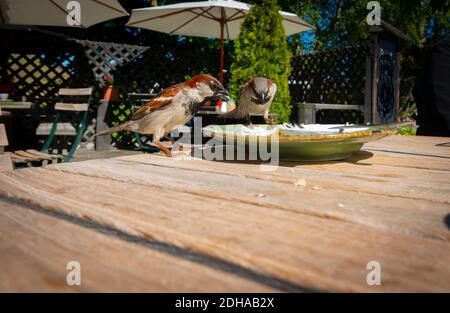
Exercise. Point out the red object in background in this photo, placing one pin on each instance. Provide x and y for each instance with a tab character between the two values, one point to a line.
219	103
108	80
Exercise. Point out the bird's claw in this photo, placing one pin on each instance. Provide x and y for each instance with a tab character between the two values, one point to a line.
271	122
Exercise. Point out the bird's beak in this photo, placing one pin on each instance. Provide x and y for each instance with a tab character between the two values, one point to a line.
263	98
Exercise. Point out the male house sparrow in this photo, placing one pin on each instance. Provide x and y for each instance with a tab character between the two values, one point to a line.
172	107
255	98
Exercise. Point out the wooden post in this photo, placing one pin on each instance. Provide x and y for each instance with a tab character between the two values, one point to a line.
102	143
397	82
374	79
384	35
223	20
222	54
368	85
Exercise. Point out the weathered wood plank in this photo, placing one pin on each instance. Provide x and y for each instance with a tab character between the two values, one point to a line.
75	91
66	106
24	273
3	137
405	184
398	160
31	156
309	247
48	156
425	217
412	145
6	163
411	175
36	247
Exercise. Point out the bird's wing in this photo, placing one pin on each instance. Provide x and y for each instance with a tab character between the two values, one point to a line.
247	85
160	102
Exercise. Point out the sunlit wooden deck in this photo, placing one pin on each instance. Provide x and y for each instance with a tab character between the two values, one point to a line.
150	223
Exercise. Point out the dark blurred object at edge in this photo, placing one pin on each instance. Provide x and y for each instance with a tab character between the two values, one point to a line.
432	91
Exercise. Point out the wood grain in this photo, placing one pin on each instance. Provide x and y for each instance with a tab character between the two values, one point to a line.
36	247
413	145
6	163
75	91
312	249
3	137
65	106
389	205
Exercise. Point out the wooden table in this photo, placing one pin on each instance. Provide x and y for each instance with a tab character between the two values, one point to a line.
152	223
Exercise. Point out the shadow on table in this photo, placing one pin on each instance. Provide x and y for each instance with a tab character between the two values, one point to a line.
356	159
447	221
444	144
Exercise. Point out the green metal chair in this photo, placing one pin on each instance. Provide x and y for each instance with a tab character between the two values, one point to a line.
67	96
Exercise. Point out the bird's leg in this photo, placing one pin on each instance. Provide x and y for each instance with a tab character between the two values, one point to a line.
173	141
270	121
163	148
168	139
249	121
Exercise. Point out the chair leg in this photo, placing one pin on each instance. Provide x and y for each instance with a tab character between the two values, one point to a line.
76	142
51	136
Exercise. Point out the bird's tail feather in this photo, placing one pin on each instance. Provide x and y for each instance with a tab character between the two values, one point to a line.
117	128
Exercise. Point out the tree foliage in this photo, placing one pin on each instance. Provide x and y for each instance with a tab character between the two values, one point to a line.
261	50
342	23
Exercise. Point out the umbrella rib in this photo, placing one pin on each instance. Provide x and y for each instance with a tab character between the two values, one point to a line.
62	9
159	16
237	12
211	17
236	18
207	11
110	6
299	23
192	19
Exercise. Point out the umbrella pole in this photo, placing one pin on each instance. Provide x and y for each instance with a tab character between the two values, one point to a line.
222	25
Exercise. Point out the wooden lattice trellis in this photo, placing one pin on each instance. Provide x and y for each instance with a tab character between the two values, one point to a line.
37	78
106	57
39	64
160	66
336	76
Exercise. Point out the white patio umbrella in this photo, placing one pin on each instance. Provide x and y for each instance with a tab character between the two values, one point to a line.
55	12
216	18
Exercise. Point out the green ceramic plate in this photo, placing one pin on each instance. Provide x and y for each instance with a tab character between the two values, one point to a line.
309	143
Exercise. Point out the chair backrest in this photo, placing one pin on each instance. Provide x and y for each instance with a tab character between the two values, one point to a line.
74	93
5	159
3	137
